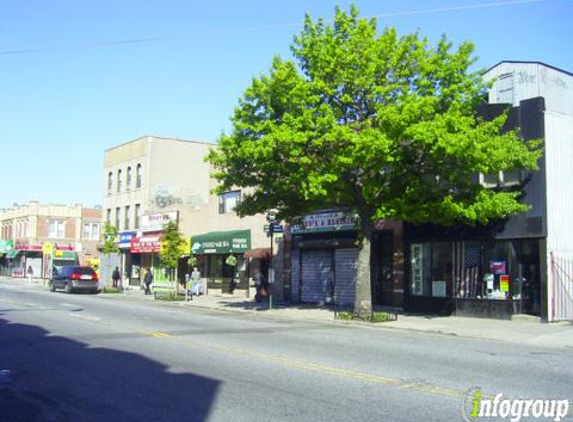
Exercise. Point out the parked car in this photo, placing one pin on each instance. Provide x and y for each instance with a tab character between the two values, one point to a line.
74	279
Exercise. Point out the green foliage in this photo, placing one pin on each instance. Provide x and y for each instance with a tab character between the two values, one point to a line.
377	316
110	234
172	242
192	261
110	290
167	295
379	123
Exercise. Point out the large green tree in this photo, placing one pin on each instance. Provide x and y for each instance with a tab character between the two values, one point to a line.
372	122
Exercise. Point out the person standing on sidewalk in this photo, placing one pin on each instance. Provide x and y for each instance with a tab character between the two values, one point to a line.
115	277
148	280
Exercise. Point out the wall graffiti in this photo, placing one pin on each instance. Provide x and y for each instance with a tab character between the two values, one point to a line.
167	196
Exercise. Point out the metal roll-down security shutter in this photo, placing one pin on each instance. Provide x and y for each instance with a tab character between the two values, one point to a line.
295	275
346	265
317	276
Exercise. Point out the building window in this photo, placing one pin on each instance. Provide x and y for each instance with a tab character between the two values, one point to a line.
117	217
126	217
119	180
128	179
137	220
503	178
109	181
91	231
138	176
108	216
228	201
56	229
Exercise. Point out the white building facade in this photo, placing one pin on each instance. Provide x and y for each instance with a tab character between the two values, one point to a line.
513	83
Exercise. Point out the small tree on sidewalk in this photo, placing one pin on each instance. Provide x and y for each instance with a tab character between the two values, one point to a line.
171	249
110	239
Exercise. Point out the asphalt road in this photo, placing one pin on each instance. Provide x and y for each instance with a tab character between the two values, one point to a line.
107	358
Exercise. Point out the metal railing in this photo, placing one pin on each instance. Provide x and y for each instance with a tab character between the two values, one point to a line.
562	276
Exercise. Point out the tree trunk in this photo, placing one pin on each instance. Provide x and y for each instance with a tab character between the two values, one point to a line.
363	299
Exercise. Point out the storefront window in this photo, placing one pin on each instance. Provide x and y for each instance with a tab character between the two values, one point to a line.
498	270
431	270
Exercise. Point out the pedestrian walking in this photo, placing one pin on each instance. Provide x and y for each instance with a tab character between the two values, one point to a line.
115	277
148	280
195	282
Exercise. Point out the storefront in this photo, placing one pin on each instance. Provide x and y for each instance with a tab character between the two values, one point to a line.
64	256
476	276
26	260
6	249
221	261
324	259
145	247
144	254
130	264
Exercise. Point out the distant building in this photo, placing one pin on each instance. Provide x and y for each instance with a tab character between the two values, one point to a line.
68	234
146	182
152	180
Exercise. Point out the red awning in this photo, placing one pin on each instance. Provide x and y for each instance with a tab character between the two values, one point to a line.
258	253
145	244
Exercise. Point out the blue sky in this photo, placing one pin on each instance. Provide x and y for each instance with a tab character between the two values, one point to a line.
70	87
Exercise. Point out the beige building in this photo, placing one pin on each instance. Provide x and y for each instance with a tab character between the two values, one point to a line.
70	232
152	180
144	180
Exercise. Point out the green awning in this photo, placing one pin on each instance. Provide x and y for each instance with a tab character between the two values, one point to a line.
232	241
11	254
6	245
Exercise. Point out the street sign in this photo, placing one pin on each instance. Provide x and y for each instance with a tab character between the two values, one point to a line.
275	228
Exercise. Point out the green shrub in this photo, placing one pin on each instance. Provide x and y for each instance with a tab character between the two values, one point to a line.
167	296
110	290
377	316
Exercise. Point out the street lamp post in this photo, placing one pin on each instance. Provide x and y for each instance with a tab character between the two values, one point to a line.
271	218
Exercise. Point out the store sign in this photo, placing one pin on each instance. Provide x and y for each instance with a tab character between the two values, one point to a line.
417	255
124	239
326	222
145	244
26	247
155	222
234	241
48	248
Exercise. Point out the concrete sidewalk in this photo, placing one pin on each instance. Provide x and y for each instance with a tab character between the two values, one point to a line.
529	331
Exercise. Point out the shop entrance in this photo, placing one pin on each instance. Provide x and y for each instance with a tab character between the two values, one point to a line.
382	269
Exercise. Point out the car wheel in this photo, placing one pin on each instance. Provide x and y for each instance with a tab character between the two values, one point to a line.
69	288
52	286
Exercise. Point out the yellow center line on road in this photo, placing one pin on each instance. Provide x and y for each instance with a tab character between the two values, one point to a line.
158	334
336	371
395	383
